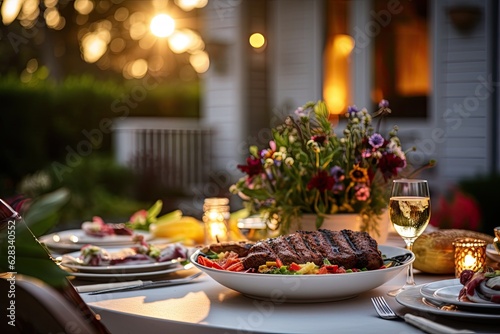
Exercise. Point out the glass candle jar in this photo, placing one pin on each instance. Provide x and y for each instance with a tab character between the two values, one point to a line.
470	254
216	219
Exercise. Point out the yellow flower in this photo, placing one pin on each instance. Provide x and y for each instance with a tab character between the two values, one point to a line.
359	174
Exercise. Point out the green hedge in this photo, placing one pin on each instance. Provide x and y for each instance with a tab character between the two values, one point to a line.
43	121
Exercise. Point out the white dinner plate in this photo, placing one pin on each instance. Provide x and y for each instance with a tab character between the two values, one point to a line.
307	288
492	253
447	291
129	267
75	239
114	277
412	298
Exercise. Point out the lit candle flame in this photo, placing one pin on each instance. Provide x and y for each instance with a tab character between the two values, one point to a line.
469	261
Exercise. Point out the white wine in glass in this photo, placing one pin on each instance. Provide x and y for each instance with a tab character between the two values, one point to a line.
409	212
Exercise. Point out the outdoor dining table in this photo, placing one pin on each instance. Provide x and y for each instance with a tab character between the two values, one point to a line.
206	306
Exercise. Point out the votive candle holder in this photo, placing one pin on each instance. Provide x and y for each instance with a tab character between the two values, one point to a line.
470	254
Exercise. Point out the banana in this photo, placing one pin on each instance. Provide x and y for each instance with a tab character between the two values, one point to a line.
186	228
234	232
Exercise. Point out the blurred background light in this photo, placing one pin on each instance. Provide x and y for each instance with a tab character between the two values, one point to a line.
188	5
162	25
257	40
84	7
200	61
10	10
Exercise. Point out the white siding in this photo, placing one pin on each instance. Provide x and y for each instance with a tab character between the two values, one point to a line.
223	98
463	111
297	44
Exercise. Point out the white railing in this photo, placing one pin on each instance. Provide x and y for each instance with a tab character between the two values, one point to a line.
176	151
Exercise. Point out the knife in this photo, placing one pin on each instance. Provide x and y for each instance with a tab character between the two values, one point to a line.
430	326
148	284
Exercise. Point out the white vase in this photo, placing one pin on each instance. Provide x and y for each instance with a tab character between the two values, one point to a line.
341	221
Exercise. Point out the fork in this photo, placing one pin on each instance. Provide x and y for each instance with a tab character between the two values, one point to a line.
385	312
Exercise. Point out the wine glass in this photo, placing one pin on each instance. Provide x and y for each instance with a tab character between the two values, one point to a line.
409	212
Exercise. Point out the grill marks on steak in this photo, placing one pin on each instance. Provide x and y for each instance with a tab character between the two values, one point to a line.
346	248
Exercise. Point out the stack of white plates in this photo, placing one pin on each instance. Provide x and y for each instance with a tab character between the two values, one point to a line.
441	297
119	272
492	253
75	239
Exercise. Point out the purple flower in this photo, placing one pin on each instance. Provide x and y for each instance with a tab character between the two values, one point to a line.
376	140
301	112
352	110
337	173
338	188
383	103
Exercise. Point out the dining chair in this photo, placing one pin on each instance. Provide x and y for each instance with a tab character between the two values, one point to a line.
39	308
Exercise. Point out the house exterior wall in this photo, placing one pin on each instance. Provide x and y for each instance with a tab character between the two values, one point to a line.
297	45
460	131
223	103
463	93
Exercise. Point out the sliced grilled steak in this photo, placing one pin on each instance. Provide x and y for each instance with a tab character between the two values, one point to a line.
346	248
258	255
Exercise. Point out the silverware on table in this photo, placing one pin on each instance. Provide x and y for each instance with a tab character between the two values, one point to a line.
385	312
147	284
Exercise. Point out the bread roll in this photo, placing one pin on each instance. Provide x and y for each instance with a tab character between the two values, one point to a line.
434	252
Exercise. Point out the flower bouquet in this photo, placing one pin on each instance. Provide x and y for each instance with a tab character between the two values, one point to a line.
307	168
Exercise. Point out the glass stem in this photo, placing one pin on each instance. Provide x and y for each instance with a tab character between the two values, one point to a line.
409	276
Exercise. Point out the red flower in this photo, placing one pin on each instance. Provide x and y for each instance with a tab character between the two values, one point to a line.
253	167
461	212
320	139
390	165
321	181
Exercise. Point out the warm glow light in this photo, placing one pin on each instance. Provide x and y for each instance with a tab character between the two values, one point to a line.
138	30
200	61
185	40
469	261
336	98
50	3
10	10
162	25
84	7
470	254
117	45
93	47
257	40
336	81
215	217
52	17
216	230
343	44
188	5
121	14
179	41
139	68
32	65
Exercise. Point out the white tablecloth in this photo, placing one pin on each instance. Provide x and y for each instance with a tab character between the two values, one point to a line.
208	307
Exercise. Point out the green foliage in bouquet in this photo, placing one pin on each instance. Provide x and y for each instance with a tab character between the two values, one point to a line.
307	168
